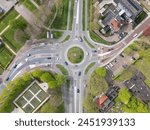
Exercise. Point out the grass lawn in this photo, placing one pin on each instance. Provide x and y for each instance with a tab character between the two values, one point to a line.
62	69
66	38
88	42
15	37
60	21
97	38
89	67
5	57
28	4
71	15
4	22
140	18
38	2
83	13
75	55
57	34
1	70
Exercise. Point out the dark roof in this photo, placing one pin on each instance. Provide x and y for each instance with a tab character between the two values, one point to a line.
131	7
138	87
108	18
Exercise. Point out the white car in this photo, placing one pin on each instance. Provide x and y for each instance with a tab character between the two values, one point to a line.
135	35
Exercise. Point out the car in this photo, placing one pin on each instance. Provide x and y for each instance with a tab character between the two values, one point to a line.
7	79
80	38
28	55
15	66
49	57
135	35
95	51
78	90
66	62
110	49
79	74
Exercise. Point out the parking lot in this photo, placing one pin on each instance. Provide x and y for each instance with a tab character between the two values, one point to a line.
32	98
120	63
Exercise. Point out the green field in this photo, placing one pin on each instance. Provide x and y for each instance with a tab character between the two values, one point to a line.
71	15
97	38
29	5
89	67
5	57
75	55
60	21
15	37
4	21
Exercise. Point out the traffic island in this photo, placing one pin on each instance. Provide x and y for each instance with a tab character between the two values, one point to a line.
75	55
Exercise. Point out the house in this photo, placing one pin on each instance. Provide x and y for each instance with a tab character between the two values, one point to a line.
106	101
130	7
119	13
138	87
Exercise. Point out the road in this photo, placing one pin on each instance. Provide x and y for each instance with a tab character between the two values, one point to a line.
48	54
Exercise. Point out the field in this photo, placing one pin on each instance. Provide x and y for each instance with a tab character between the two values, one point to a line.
60	21
5	57
4	22
31	98
15	37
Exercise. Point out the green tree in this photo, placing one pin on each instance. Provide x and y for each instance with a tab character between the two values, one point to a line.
37	73
52	84
60	80
124	95
101	71
46	77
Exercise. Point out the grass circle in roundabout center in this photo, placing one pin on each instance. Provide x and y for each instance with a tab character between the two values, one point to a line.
75	55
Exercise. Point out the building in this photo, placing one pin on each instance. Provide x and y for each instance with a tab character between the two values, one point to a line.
119	13
130	7
106	101
138	87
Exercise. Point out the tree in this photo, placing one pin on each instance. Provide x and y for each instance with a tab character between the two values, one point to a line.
46	77
124	95
101	71
37	73
52	84
60	80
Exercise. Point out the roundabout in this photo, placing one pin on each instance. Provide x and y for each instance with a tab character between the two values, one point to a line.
75	55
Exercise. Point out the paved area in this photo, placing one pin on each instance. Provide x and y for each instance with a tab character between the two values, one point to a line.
7	5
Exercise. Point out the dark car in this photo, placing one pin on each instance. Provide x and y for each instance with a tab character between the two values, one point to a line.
15	66
66	62
78	91
49	57
79	74
7	79
110	49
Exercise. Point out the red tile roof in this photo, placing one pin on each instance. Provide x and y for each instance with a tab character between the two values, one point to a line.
115	24
101	100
